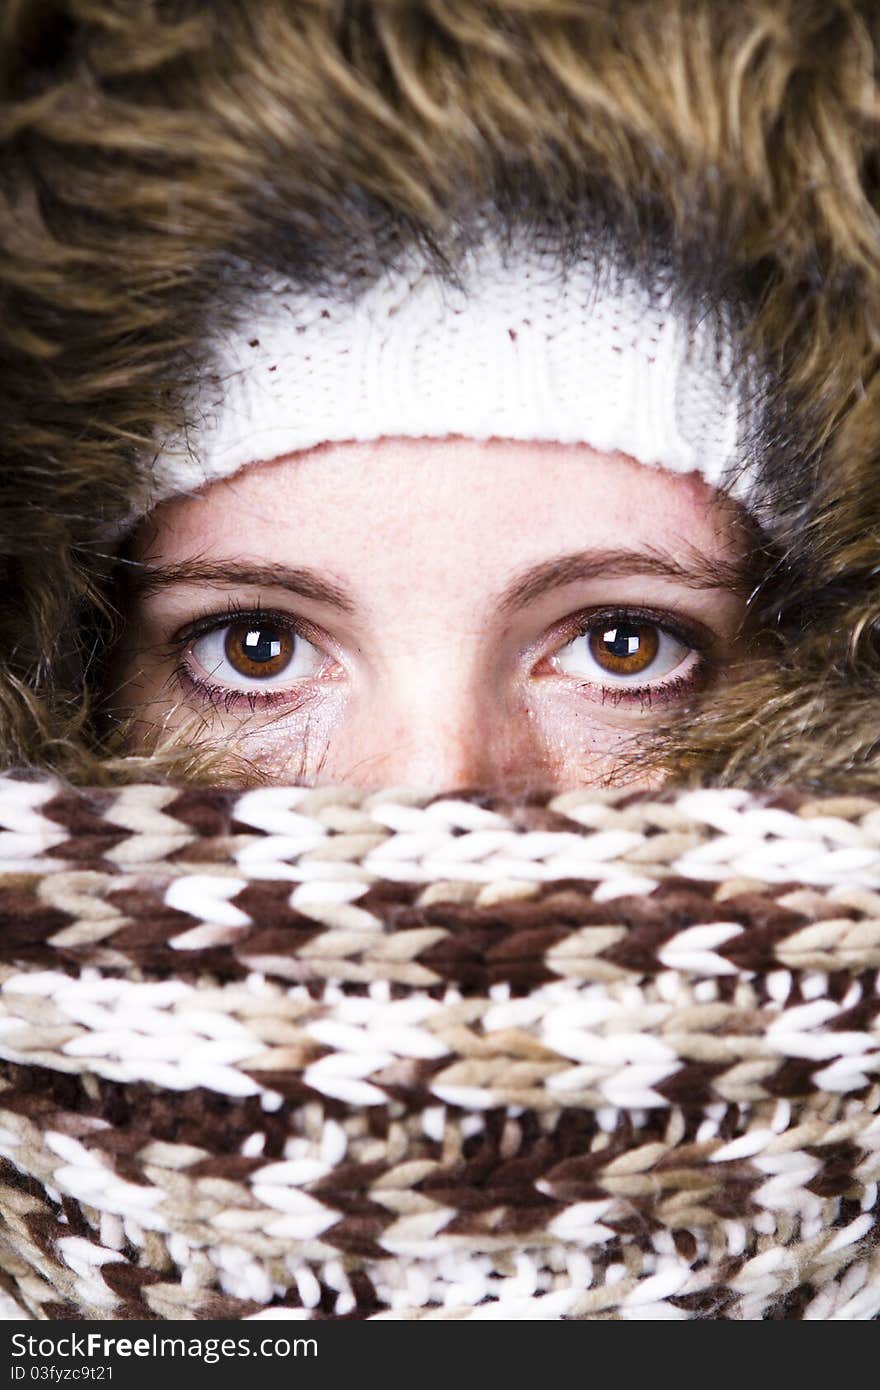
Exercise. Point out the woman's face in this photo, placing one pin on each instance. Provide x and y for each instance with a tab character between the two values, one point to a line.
437	613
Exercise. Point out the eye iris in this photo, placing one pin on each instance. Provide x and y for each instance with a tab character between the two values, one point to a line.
258	649
624	648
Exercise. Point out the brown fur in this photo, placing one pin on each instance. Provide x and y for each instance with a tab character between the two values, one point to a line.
157	155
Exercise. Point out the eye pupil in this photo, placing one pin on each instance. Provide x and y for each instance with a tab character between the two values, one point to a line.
627	648
258	650
621	641
259	647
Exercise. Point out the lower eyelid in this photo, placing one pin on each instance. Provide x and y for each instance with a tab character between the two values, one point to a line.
662	692
683	681
217	696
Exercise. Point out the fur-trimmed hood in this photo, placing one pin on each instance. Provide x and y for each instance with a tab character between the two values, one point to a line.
158	157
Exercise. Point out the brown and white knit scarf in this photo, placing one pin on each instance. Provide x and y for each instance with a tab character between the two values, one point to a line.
323	1054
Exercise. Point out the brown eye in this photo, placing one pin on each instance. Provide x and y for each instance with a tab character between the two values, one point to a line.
624	648
255	654
259	649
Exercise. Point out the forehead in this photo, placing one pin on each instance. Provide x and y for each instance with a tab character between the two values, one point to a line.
449	507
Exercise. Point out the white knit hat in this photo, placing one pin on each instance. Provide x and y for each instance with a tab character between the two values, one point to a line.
521	350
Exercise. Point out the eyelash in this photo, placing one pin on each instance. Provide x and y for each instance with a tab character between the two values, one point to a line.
664	692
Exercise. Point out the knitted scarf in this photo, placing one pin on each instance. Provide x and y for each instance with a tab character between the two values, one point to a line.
327	1054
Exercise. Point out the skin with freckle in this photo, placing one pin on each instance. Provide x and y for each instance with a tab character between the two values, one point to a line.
467	613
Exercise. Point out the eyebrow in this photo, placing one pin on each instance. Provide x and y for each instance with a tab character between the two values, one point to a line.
144	580
697	571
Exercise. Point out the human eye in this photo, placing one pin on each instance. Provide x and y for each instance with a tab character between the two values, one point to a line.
633	655
247	656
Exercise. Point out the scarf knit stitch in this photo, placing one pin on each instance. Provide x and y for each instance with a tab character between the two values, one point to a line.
328	1054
